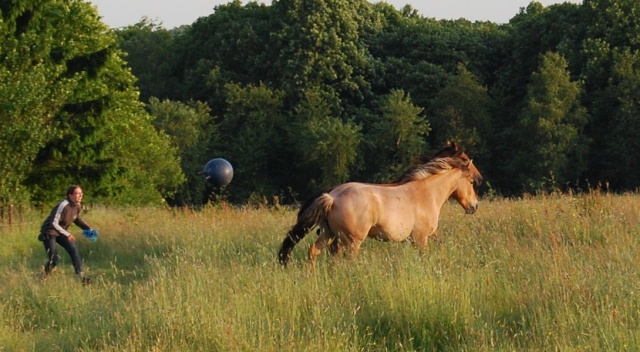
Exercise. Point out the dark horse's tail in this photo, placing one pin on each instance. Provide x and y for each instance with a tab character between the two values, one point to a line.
310	215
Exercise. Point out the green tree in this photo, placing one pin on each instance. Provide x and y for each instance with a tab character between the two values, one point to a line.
142	167
191	130
612	30
33	88
150	51
551	146
235	43
320	51
89	127
109	145
462	112
621	135
420	55
398	139
252	140
530	34
326	142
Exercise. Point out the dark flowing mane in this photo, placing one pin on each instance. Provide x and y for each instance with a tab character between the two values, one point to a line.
421	171
432	167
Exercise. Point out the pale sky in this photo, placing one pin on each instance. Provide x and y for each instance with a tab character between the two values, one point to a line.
173	13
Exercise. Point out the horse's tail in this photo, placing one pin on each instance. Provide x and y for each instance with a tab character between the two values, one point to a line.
312	212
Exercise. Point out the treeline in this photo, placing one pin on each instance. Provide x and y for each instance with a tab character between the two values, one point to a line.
302	95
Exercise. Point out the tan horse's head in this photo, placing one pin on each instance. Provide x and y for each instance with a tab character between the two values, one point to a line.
464	193
452	150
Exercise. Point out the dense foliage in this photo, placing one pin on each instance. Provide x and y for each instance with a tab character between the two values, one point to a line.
70	113
546	101
299	96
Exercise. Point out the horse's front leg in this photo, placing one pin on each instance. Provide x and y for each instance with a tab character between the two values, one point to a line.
421	237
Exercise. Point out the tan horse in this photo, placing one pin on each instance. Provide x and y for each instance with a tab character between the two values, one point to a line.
410	208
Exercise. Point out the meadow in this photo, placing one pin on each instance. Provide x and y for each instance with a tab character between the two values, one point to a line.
544	273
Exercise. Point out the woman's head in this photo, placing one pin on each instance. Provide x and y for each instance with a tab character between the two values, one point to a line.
74	193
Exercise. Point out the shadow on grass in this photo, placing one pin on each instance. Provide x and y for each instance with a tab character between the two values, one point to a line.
395	331
439	328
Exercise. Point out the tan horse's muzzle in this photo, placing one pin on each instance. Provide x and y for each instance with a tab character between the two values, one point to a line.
473	207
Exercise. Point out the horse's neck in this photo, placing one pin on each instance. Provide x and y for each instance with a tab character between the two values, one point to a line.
438	188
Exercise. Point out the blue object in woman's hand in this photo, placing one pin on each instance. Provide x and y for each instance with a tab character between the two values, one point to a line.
91	235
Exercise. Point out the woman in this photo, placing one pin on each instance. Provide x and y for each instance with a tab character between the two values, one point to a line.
55	230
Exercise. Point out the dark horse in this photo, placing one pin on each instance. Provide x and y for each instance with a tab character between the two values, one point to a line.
348	213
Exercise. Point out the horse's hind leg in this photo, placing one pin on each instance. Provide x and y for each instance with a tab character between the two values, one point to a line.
336	246
325	237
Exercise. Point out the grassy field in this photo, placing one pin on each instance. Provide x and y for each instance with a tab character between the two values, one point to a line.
555	273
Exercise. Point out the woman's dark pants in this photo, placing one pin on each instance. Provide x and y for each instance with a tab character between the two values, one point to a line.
52	253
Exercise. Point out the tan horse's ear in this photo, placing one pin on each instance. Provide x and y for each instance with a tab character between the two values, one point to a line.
455	147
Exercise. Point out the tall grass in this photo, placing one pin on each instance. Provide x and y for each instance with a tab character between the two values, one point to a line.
555	273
